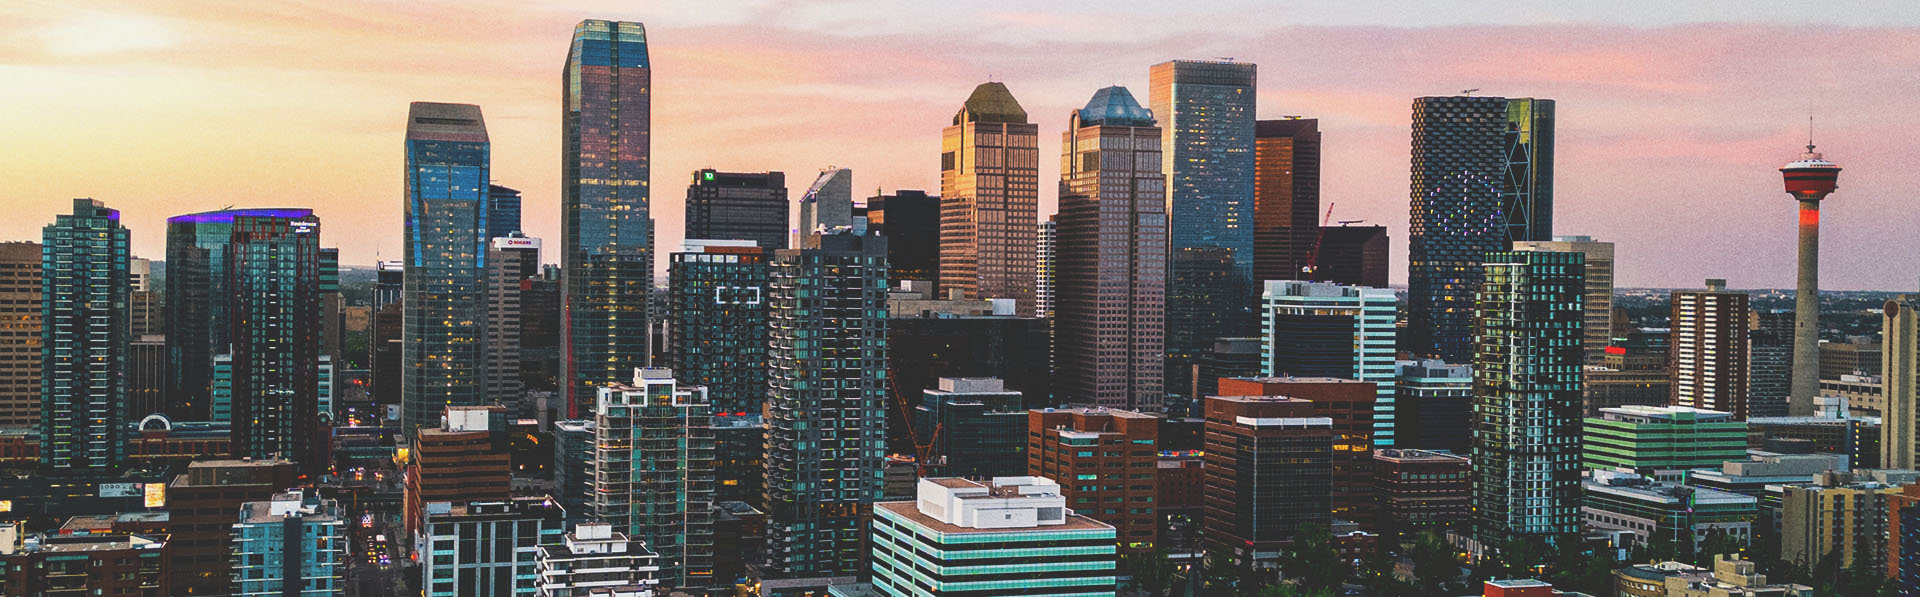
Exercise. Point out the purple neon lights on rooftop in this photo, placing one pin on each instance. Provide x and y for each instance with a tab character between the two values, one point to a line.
227	216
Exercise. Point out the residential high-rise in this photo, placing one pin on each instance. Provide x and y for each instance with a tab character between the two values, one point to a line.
1110	285
826	403
146	314
595	560
1482	179
1105	461
1434	406
475	547
718	339
1286	204
1651	439
1598	330
606	242
828	204
976	428
20	323
512	261
83	338
738	206
1900	380
444	321
197	324
503	211
292	544
1321	329
1769	363
653	472
463	457
1837	516
273	271
1351	255
990	198
1252	510
1709	362
573	449
953	519
910	220
1526	397
1350	407
1809	179
1046	265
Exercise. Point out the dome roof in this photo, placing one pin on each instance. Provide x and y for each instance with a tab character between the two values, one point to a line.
991	102
1115	106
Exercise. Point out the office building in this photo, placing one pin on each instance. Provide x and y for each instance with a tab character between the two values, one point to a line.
20	334
1351	255
738	206
273	268
1110	281
1352	410
975	427
596	560
1482	179
1678	514
1632	371
512	261
1526	403
1230	357
1856	356
826	404
1420	489
910	220
1769	363
198	299
828	204
463	458
1321	329
924	547
990	198
1204	297
1286	191
1598	326
1647	439
444	321
474	547
200	547
146	376
653	475
1832	429
1104	460
1838	516
100	561
292	544
145	313
1434	404
606	242
1048	264
1710	349
1899	366
1206	115
1253	511
926	344
83	338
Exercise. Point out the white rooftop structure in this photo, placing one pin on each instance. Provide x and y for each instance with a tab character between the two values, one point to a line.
1004	503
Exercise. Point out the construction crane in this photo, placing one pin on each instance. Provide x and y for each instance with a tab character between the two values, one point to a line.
1313	256
1346	222
922	451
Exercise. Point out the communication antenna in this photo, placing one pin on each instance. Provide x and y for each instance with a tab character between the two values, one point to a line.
1469	91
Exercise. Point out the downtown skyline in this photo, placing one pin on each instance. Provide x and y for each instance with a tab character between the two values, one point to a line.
232	107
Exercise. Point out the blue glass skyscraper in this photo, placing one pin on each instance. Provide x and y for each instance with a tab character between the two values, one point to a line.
274	272
606	242
503	211
444	323
197	302
83	340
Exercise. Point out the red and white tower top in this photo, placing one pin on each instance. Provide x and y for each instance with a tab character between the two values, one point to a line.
1811	177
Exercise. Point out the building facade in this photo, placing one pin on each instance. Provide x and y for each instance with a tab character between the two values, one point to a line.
1710	349
1482	179
1286	197
1900	383
828	203
738	206
1352	255
1647	439
1321	329
198	299
512	263
1678	515
1110	281
273	268
83	338
910	220
1420	489
653	472
1253	511
1350	407
952	539
990	198
596	560
443	360
1598	330
1105	462
293	544
975	427
1526	397
486	548
20	327
463	457
1434	406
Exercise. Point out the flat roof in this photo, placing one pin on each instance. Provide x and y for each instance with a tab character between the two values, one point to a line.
911	511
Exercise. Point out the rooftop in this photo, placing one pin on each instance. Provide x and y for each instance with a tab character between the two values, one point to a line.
908	511
1115	106
991	102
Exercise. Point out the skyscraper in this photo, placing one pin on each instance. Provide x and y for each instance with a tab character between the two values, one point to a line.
1352	255
1253	511
148	315
83	339
990	198
1709	349
606	242
197	324
828	204
1206	115
1482	179
1325	329
718	339
738	206
20	334
512	261
503	211
910	220
1900	376
1112	257
653	472
1598	328
444	321
826	405
273	270
1286	190
1526	394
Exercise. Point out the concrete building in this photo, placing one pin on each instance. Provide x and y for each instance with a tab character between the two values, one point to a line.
200	549
1646	439
595	560
478	548
653	475
1836	516
464	458
990	199
83	562
1730	577
512	263
19	334
1526	428
1856	356
748	206
1253	511
1320	329
1900	380
934	545
294	544
1809	179
1104	462
1597	327
975	426
1683	515
827	205
1420	489
1110	284
1434	401
1352	409
1710	349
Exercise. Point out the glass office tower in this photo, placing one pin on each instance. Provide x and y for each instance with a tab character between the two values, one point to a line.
83	339
443	360
990	198
606	240
1206	115
274	273
503	211
197	301
1482	179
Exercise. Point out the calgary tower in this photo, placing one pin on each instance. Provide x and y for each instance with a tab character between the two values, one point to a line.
1809	179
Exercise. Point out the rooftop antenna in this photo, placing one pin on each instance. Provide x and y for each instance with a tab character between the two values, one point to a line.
1809	127
1469	91
1226	58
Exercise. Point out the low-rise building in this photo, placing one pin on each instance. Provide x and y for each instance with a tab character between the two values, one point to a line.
596	560
1650	509
1647	439
93	563
1420	489
1730	577
958	535
295	543
486	548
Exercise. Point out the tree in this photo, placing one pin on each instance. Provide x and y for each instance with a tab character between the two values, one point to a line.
1217	576
1288	590
1312	560
1718	542
1151	572
1435	566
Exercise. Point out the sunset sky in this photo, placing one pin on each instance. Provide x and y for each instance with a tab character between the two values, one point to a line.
1672	121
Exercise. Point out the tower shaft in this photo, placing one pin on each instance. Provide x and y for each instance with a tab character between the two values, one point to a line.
1806	314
